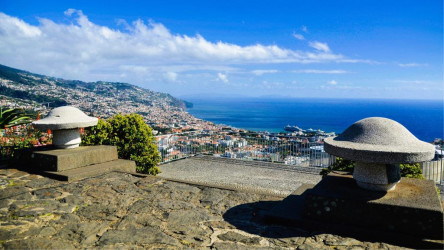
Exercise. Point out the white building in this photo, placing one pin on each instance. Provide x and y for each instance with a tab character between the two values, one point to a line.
226	143
242	143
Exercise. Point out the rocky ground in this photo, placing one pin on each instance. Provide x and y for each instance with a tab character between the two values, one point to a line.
118	210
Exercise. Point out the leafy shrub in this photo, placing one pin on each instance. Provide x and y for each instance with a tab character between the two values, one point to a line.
411	171
18	139
14	148
407	170
340	165
133	138
98	135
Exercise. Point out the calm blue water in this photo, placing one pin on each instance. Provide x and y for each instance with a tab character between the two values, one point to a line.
423	118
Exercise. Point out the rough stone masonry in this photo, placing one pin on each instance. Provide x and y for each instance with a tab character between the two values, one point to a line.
118	210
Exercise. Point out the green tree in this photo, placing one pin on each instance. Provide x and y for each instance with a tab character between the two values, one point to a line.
133	138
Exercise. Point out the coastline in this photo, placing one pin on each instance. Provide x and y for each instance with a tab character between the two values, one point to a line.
330	115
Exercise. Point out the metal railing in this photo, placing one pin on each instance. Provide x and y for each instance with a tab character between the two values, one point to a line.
434	170
254	147
298	151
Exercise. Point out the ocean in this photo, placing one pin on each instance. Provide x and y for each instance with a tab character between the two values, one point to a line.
424	118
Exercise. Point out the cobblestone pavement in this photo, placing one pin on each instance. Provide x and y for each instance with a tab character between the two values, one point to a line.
119	210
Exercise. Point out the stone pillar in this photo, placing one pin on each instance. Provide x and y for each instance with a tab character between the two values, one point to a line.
376	177
66	138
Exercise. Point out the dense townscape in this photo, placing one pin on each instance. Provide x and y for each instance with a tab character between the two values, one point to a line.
303	148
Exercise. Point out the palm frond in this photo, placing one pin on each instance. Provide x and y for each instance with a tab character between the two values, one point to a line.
13	117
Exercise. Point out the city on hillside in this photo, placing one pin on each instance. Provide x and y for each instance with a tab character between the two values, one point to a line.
178	134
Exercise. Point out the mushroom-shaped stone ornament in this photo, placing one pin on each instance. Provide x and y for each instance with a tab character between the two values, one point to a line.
65	123
378	145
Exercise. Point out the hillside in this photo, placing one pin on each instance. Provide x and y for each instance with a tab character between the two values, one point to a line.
95	98
24	80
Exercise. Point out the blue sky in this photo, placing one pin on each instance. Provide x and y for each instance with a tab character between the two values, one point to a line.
339	49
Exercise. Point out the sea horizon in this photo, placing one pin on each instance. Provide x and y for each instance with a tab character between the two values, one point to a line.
205	96
423	118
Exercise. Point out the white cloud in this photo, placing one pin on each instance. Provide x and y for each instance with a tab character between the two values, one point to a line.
260	72
332	82
304	28
417	82
69	12
319	46
412	64
17	28
271	85
171	76
317	71
298	36
222	77
140	52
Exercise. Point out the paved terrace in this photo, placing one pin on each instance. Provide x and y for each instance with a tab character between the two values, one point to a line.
251	176
120	210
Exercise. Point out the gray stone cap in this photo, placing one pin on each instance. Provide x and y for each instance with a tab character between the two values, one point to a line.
379	140
65	117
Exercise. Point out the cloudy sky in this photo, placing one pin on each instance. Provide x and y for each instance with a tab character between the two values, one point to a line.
340	49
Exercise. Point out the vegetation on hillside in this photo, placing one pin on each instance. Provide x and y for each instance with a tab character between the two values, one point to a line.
55	102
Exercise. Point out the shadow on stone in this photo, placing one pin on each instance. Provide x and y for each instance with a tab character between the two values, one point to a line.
249	217
323	209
